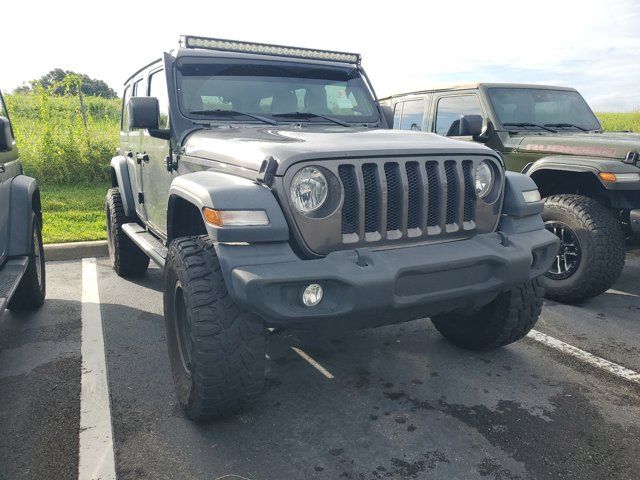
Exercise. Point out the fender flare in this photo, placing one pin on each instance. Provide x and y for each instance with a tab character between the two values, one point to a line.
120	173
582	165
222	191
24	206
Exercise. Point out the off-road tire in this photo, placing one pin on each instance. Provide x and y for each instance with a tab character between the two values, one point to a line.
127	259
32	288
507	319
225	370
601	242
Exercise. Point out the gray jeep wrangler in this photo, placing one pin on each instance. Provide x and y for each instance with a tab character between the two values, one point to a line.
22	273
264	181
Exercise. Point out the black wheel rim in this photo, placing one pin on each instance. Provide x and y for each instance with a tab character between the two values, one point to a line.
183	328
569	254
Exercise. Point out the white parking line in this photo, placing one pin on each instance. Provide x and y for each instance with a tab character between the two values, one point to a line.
618	292
96	436
313	363
591	359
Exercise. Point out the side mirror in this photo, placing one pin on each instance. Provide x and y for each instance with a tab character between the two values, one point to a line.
470	125
6	136
144	113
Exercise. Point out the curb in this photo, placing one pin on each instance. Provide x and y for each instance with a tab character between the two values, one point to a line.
54	252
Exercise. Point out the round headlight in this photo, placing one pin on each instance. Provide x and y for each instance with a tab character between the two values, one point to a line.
484	179
308	189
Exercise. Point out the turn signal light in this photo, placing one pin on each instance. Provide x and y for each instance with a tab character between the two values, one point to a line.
235	218
607	177
620	177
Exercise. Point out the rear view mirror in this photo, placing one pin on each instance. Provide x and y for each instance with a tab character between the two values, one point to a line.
144	113
6	136
470	125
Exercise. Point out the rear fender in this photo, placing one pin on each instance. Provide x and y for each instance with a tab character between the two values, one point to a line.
120	178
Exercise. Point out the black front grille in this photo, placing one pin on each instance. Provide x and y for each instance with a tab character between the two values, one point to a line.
409	198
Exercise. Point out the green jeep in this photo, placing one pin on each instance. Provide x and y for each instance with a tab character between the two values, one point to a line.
22	279
589	179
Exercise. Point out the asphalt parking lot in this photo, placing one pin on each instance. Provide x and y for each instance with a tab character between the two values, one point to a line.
401	403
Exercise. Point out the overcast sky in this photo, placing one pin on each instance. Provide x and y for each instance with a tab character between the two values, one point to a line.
591	45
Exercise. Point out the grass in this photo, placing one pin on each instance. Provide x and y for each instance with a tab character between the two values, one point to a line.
616	122
73	213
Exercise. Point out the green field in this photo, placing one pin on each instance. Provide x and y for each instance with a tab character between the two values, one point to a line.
73	213
71	160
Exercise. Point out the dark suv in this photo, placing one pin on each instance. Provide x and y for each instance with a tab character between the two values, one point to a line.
590	179
264	181
22	273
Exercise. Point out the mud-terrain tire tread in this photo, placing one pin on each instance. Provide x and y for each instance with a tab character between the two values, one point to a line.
507	319
229	343
30	293
604	256
127	259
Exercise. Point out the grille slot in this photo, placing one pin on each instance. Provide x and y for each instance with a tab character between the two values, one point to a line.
371	197
433	208
469	191
350	216
394	198
452	191
414	196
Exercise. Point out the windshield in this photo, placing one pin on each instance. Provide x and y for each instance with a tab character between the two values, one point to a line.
272	89
542	107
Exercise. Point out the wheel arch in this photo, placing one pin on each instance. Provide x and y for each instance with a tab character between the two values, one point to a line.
557	175
25	205
192	192
119	176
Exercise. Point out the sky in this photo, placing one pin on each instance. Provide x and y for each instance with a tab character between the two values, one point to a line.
593	46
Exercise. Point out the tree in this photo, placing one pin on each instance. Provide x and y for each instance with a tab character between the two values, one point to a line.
56	81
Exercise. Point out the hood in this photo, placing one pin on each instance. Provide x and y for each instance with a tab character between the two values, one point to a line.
606	144
248	147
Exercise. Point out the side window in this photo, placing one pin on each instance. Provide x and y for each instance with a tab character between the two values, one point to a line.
412	115
397	115
450	109
124	119
158	89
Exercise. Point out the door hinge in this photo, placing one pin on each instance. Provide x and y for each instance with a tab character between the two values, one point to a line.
140	197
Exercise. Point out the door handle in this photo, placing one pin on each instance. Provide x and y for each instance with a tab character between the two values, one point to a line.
142	157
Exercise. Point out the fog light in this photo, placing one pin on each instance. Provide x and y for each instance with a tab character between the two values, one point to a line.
312	295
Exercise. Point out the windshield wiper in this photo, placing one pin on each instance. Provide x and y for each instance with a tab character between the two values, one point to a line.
565	125
526	124
235	113
310	115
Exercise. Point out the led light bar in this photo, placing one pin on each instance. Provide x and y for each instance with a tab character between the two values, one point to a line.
188	41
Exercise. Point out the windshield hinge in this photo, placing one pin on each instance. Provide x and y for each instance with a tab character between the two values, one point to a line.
267	171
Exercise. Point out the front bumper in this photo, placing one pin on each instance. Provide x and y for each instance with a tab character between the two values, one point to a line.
373	287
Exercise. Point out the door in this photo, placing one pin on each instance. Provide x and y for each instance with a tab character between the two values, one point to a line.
9	168
131	139
155	177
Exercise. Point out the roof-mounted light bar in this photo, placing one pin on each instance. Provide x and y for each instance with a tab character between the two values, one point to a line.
188	41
